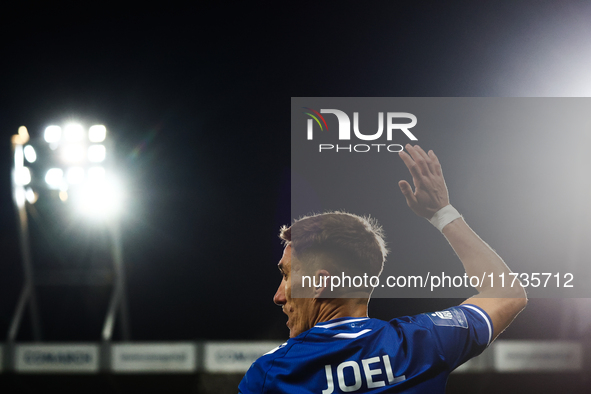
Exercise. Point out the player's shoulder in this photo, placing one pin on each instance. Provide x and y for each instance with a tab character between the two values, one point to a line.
344	328
347	324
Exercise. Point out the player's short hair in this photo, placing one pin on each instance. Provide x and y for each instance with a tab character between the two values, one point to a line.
338	240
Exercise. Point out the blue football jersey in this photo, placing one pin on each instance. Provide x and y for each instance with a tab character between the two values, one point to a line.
412	354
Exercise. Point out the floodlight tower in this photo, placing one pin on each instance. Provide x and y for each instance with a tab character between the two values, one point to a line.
72	165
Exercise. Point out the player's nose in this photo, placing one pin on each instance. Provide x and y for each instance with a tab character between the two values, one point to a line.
279	297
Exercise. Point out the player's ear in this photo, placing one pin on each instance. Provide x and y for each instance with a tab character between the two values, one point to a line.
321	281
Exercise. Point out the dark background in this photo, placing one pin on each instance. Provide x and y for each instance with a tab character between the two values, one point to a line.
197	100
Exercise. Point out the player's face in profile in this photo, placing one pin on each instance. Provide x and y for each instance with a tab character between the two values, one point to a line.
298	310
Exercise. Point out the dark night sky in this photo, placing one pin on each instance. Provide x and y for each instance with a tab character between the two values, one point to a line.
197	99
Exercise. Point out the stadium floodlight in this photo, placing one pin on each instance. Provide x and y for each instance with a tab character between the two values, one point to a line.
22	176
73	132
30	154
96	153
96	174
97	133
52	134
75	175
73	153
30	195
76	164
22	137
99	200
54	178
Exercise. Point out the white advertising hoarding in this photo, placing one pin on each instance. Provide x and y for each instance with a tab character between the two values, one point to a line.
70	358
537	356
154	357
234	357
481	363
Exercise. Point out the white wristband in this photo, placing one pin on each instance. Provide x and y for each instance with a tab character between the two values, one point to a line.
444	216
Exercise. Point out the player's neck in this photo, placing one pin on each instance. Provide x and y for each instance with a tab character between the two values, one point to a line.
340	307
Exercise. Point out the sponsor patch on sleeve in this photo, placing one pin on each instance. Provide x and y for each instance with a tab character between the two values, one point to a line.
451	317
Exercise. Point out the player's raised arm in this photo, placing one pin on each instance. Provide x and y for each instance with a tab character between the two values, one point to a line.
430	200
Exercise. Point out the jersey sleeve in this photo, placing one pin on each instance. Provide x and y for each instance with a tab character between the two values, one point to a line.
253	380
460	333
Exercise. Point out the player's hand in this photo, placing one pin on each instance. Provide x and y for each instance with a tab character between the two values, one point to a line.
430	194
